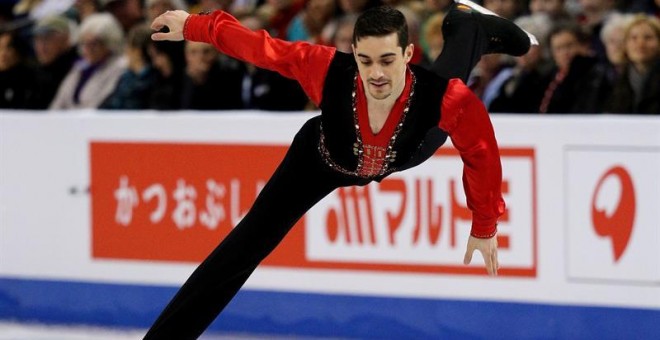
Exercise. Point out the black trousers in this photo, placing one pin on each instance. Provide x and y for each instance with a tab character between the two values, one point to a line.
300	181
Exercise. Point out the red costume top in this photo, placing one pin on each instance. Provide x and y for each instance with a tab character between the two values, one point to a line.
463	117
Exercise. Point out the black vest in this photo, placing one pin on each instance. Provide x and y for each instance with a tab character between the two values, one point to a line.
419	136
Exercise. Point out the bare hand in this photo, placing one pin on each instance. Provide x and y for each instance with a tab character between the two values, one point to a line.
488	249
174	20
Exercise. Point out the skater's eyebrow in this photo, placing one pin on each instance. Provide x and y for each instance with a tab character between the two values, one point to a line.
381	56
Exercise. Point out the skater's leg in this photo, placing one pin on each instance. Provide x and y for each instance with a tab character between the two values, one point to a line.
469	34
297	184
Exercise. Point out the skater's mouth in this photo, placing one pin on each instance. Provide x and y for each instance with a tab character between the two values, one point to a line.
379	84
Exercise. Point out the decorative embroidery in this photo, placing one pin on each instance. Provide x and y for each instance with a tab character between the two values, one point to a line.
477	235
185	31
358	146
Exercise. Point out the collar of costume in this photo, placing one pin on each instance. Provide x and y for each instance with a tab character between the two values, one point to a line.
358	146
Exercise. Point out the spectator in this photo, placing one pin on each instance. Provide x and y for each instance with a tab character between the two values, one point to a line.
578	83
435	6
82	9
356	6
16	77
591	19
555	9
154	8
242	8
212	5
639	6
509	9
95	76
38	9
612	36
269	90
134	88
433	40
309	24
55	54
209	84
169	63
278	15
127	12
342	38
414	28
485	72
638	89
522	90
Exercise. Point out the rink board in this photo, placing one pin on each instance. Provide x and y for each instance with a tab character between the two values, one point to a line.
321	315
103	216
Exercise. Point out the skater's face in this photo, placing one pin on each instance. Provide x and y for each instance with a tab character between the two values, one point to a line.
382	64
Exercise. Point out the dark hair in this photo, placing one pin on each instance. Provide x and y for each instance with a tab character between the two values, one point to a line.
381	21
174	52
17	43
568	27
139	37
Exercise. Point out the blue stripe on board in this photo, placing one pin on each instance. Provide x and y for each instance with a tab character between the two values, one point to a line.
319	315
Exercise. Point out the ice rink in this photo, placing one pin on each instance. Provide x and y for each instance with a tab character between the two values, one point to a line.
26	331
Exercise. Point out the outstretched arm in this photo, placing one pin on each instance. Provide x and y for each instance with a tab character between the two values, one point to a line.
466	121
304	62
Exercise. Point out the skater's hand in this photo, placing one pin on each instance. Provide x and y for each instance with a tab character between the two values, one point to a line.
488	249
174	21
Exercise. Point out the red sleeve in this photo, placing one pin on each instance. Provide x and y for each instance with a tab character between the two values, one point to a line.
466	121
304	62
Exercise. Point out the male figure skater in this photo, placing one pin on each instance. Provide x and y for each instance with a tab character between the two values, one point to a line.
379	115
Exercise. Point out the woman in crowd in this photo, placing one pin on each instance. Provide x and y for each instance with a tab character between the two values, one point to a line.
612	36
638	89
93	78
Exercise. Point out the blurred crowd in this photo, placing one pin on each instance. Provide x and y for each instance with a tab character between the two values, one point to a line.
594	56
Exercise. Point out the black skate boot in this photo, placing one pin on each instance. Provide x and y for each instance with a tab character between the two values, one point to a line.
490	32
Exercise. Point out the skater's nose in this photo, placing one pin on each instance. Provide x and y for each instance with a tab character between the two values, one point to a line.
376	72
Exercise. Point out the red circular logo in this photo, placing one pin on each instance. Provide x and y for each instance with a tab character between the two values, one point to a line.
618	223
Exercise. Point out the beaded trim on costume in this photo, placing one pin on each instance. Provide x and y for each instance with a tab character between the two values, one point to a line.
477	235
358	146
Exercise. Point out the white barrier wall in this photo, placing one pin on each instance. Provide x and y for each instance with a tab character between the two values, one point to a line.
140	199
